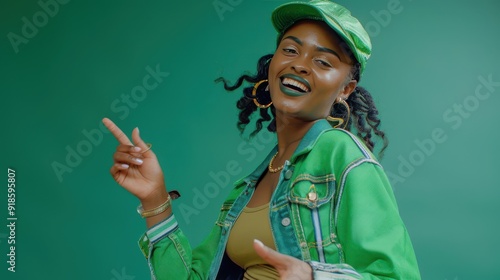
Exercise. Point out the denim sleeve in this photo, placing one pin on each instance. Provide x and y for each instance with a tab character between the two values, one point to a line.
374	239
170	256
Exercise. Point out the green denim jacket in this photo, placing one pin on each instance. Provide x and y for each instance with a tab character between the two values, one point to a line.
333	207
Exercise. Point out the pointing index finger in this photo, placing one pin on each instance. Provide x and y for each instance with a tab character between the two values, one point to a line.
116	131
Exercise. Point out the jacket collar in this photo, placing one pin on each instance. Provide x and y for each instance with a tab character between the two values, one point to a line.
305	145
310	138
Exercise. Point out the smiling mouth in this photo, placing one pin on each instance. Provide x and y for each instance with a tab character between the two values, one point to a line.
295	85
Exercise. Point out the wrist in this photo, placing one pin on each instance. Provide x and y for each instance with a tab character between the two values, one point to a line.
158	207
155	199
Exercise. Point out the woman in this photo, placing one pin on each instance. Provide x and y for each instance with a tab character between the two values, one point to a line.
319	206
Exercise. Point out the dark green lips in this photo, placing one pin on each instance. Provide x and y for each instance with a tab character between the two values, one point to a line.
296	86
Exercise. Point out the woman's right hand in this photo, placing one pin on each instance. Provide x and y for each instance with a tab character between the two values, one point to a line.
135	167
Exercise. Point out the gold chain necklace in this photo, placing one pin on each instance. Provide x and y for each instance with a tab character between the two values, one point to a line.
270	167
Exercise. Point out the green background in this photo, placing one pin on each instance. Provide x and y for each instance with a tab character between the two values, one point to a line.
428	58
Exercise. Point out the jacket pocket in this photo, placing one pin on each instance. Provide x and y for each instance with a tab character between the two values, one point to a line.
311	200
312	191
221	219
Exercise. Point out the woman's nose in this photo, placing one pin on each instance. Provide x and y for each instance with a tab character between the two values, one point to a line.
301	68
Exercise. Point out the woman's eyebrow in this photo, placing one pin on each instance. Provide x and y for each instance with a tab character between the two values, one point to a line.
297	40
321	49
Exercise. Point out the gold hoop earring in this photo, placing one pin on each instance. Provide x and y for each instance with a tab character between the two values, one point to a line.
340	121
254	94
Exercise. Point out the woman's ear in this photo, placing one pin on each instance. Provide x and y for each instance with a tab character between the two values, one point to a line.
348	89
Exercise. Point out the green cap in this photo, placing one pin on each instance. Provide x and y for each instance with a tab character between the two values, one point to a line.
336	16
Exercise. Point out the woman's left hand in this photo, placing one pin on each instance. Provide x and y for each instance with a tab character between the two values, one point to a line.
288	267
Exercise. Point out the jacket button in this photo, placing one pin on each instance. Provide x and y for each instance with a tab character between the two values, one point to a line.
288	174
285	222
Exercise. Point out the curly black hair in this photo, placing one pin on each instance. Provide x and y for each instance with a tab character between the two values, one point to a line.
364	114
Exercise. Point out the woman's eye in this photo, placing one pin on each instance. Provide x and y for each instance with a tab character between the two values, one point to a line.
324	63
288	50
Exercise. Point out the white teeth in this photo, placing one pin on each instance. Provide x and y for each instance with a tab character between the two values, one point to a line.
288	81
